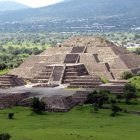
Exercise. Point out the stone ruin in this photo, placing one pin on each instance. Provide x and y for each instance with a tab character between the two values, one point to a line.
58	103
80	62
8	100
114	86
7	81
55	103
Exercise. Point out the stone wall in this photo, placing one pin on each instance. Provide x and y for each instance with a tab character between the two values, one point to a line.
10	100
58	103
10	81
55	103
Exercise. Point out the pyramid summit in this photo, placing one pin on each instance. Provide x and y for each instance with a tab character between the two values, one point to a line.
80	61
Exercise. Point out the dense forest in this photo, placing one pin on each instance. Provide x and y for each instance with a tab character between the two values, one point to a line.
14	48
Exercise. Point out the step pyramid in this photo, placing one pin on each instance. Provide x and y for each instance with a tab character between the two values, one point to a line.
86	55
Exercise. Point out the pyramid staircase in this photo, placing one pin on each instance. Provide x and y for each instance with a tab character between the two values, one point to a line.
72	72
44	75
52	74
57	74
71	58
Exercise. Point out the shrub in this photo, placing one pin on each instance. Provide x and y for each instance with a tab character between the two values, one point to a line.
95	107
10	115
90	98
37	105
5	136
98	98
115	110
112	114
113	101
125	111
127	75
138	73
104	80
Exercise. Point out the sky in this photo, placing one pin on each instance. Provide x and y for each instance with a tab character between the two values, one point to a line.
36	3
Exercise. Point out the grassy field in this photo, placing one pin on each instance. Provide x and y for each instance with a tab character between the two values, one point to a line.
132	49
78	124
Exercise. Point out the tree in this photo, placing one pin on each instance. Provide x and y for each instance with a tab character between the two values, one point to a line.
91	97
129	92
2	66
5	136
98	98
37	105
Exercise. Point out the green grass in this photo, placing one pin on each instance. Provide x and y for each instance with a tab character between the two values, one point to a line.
131	49
3	72
78	124
72	89
104	80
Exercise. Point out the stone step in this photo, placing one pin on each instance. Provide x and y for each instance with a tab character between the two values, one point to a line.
40	80
83	86
73	83
42	77
70	77
87	80
46	71
67	80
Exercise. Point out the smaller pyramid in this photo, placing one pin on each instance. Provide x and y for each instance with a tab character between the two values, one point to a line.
10	81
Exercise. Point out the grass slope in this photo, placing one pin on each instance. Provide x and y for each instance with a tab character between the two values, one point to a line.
78	124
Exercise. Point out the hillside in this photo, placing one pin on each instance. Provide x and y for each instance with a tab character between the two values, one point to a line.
82	9
10	6
93	8
69	14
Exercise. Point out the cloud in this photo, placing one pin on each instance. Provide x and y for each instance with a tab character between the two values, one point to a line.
36	3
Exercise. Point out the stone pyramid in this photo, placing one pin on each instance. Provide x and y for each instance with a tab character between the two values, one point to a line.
79	61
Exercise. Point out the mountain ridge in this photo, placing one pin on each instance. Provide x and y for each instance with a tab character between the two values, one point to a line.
80	13
82	9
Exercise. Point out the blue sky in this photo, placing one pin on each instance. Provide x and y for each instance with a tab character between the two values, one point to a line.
36	3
